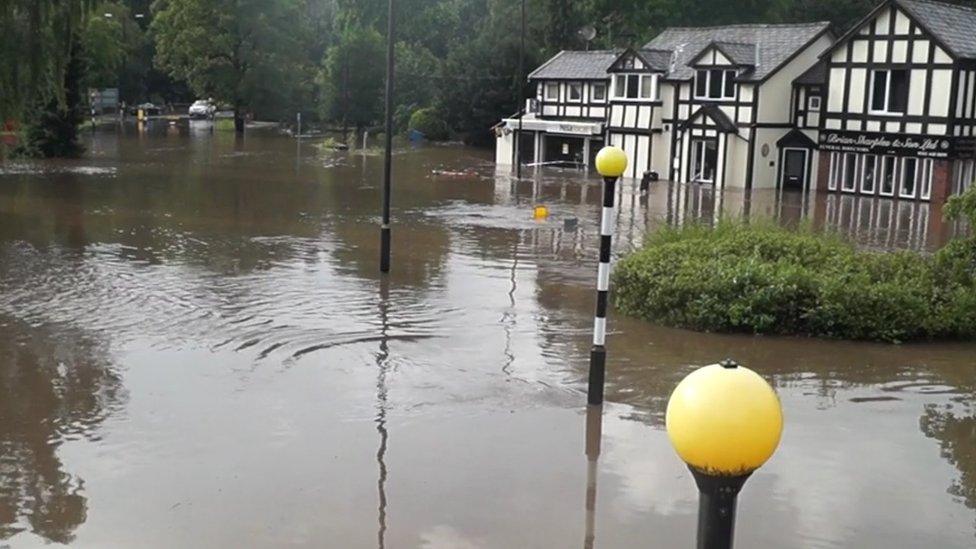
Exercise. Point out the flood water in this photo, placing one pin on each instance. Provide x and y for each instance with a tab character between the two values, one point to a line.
196	350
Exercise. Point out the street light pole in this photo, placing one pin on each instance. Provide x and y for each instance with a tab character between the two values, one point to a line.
611	162
388	158
725	422
520	105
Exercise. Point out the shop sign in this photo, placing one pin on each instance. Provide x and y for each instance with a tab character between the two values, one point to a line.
892	144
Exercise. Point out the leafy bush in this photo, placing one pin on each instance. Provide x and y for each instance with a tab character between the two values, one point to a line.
429	122
765	279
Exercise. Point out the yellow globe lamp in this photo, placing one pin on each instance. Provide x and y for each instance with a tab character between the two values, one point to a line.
611	162
725	421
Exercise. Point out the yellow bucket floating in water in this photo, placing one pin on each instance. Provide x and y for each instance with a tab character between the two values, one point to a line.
540	212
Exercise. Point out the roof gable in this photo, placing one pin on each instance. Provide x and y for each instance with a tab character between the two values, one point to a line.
713	112
951	26
641	61
738	54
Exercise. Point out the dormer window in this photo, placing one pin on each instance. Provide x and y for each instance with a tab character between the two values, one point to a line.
635	86
715	84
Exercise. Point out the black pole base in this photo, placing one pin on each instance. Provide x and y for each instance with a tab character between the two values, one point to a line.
385	249
598	374
716	509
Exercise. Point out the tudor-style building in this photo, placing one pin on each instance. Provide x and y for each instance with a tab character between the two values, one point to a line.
566	120
899	115
727	89
706	105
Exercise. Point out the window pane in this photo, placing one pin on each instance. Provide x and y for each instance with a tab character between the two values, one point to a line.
552	91
879	88
908	177
632	85
850	172
701	84
925	178
715	84
646	87
620	87
870	166
898	94
888	181
575	91
599	92
730	84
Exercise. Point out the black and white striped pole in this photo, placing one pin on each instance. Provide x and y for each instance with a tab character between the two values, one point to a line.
611	163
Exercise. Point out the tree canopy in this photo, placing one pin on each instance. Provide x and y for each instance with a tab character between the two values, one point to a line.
325	58
245	53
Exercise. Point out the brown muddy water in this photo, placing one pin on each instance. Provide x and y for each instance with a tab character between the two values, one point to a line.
196	351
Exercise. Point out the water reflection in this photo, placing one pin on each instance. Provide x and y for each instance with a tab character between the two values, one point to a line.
56	385
954	426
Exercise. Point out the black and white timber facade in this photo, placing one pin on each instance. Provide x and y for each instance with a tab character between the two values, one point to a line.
899	116
888	109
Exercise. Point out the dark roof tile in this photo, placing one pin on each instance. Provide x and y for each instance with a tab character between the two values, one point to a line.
775	44
576	65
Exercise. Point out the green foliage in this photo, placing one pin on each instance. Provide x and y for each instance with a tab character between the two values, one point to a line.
353	76
104	43
963	207
37	36
764	279
52	126
241	52
429	122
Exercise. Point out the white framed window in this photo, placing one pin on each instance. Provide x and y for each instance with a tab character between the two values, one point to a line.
851	172
715	84
551	91
813	103
964	175
636	86
648	86
909	178
925	171
869	174
889	175
575	92
599	92
836	165
889	91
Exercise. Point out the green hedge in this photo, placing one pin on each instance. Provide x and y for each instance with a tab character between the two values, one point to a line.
764	279
429	122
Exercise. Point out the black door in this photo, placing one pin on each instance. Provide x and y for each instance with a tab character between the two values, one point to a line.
794	169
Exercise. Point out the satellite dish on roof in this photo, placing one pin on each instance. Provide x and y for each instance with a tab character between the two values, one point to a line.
587	33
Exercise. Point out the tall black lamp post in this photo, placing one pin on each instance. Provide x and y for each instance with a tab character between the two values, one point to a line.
388	157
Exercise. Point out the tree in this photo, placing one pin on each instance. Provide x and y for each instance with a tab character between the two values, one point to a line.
241	52
352	78
35	46
52	126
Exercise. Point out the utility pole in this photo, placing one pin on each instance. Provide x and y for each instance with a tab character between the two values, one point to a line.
521	96
388	160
